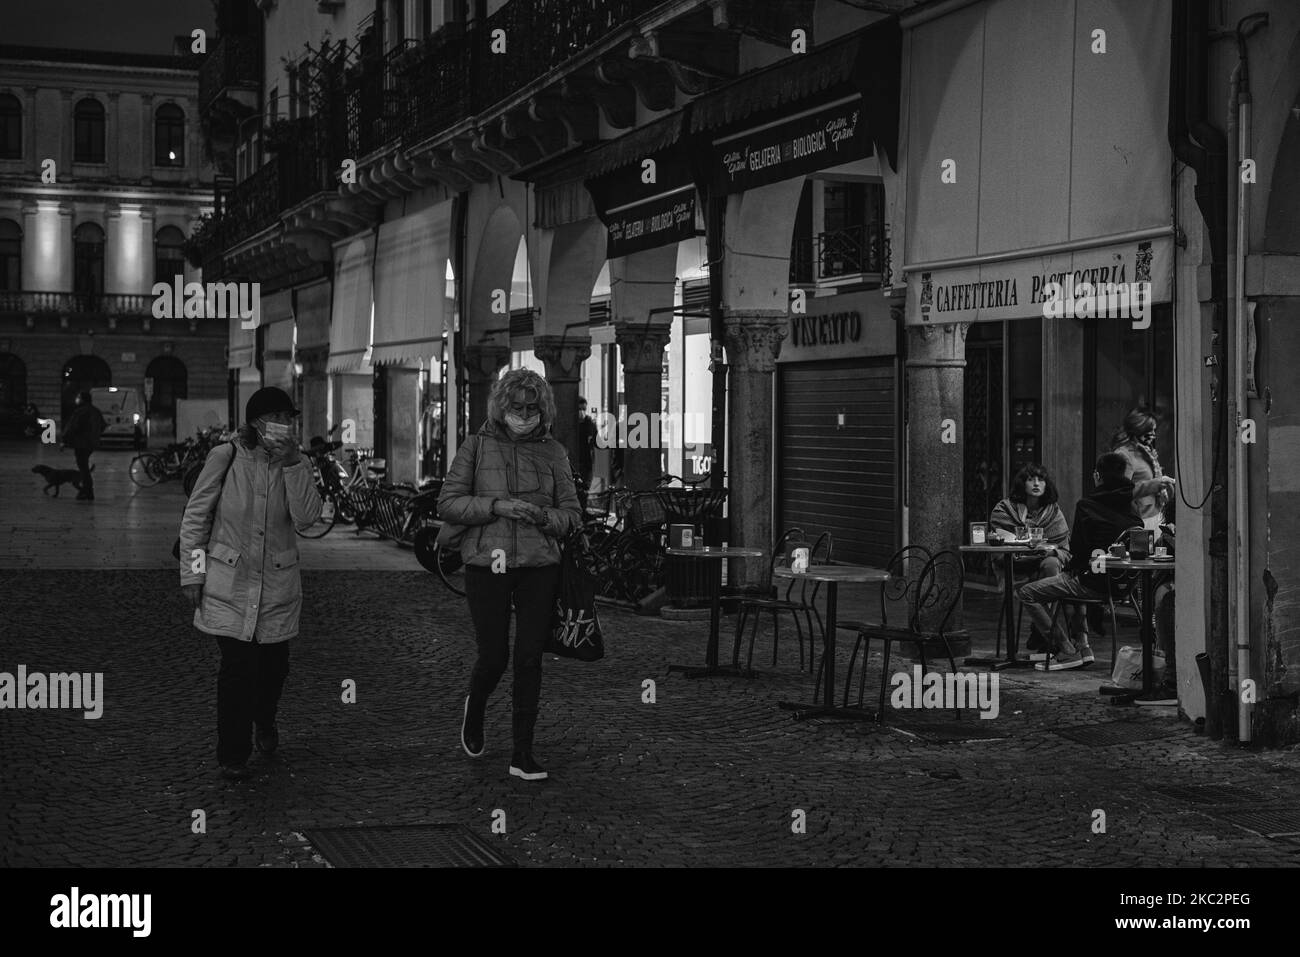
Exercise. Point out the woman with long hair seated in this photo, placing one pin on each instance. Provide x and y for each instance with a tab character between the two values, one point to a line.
1033	504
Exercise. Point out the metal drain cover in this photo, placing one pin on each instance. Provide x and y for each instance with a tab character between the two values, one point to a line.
1115	732
1230	794
414	845
1268	821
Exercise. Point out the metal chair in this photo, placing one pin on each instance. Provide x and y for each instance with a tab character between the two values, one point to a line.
933	598
898	596
1123	588
805	605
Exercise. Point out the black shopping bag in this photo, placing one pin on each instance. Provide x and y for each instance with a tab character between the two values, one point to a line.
575	626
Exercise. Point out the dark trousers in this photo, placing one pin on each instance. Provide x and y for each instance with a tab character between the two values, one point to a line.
83	465
248	691
533	593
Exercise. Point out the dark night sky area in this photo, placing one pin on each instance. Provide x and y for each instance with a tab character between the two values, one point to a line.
135	26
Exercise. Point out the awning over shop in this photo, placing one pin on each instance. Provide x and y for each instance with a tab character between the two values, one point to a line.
350	319
758	110
410	285
1032	155
243	344
312	315
277	307
648	200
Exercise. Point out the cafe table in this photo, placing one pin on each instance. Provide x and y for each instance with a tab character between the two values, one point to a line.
1147	568
1006	617
716	556
832	575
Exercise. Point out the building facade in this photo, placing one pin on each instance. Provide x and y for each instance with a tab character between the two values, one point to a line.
102	181
826	230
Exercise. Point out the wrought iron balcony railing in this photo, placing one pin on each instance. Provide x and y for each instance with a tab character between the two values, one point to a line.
232	62
76	303
837	253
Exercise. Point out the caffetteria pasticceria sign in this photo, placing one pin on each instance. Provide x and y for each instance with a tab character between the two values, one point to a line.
814	140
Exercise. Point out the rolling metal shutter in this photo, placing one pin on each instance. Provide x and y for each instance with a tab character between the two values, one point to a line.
841	479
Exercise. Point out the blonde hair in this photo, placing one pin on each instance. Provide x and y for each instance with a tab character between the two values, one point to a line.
528	381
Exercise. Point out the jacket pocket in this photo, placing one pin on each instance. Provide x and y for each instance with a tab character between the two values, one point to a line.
287	558
221	572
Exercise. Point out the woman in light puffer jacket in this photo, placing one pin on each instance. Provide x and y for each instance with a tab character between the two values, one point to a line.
512	485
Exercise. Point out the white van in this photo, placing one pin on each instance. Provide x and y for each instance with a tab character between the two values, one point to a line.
124	415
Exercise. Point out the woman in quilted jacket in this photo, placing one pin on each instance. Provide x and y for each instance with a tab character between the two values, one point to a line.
512	487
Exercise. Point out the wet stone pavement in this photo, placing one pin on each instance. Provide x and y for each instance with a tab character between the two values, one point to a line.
708	774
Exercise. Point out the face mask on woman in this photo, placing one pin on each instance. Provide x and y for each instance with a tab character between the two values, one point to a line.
521	426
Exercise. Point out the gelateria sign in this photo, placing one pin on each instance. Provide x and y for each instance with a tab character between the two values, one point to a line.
667	218
1023	288
849	325
812	140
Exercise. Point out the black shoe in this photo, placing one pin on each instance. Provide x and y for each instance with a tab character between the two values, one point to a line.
523	766
235	772
471	730
267	741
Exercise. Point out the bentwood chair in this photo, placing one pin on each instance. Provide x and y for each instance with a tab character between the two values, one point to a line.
898	598
757	597
932	600
804	605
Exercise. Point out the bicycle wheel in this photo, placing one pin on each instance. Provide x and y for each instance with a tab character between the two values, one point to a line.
451	569
328	516
191	478
146	469
639	567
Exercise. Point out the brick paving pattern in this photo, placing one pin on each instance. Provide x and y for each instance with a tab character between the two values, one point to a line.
707	775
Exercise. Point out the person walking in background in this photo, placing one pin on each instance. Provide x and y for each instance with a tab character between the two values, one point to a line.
586	442
1033	504
512	486
1136	441
241	518
85	426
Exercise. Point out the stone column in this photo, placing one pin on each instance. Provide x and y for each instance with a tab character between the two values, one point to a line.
314	383
752	339
641	348
1061	415
67	147
936	355
482	363
564	356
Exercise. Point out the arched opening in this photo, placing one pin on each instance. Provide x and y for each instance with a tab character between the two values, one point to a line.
169	136
88	132
11	127
88	266
170	382
11	256
81	374
168	255
13	381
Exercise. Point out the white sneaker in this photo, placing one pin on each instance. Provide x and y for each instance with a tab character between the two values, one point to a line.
1061	662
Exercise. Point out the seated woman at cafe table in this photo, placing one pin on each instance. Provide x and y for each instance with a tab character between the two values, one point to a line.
1032	504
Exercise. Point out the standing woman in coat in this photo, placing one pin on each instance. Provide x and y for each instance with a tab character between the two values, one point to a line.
1136	441
512	486
246	590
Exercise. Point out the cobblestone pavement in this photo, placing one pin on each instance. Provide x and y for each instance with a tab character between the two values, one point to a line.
708	774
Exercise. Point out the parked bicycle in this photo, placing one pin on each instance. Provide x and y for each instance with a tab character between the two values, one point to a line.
183	460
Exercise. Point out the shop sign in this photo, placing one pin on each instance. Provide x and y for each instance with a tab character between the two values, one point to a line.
668	218
815	140
1025	288
843	326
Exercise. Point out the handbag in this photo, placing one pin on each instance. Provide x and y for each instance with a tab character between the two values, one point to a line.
575	624
451	534
176	545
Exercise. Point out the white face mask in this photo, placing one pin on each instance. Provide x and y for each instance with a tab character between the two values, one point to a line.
522	426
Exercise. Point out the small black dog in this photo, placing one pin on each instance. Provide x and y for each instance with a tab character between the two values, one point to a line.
56	477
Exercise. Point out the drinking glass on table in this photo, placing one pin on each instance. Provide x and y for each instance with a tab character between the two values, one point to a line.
1036	537
1022	533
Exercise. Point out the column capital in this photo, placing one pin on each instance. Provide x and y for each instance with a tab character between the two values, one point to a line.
563	355
937	344
753	338
641	345
483	360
